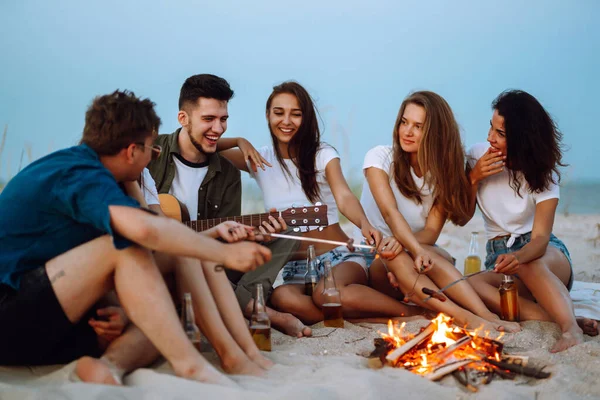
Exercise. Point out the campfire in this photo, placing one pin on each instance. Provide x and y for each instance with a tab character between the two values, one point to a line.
441	349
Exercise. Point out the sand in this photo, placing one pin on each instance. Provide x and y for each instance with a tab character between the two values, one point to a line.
331	365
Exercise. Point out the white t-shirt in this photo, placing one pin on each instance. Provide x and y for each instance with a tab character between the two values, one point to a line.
188	178
414	213
149	188
281	191
504	212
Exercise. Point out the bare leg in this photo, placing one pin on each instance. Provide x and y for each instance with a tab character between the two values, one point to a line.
291	299
282	321
81	276
231	313
402	268
360	300
463	293
546	278
190	277
128	352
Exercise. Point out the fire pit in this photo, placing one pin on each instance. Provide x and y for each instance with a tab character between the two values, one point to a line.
441	349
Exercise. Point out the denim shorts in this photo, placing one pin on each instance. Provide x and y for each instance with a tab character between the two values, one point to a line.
293	272
496	247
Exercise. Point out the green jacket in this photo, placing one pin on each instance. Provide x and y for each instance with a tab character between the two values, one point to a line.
220	194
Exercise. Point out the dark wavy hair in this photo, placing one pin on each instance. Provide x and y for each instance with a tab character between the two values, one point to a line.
441	157
204	85
114	121
305	143
533	141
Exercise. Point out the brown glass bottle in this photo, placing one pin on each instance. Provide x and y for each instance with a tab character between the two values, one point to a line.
188	321
509	299
260	324
332	300
311	278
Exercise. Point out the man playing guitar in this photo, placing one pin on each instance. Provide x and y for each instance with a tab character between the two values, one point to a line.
191	169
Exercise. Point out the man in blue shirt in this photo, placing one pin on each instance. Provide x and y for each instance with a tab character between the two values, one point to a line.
69	235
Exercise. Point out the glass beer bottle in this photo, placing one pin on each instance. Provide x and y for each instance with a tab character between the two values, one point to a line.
509	299
473	262
260	324
311	278
332	300
188	321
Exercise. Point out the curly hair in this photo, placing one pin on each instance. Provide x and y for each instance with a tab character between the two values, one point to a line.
305	143
441	157
116	120
204	85
533	141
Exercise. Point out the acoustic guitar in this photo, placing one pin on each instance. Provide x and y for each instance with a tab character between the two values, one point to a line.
293	216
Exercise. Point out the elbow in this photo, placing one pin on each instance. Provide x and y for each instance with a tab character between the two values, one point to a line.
146	234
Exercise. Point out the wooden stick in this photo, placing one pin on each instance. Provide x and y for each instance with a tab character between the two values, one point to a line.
442	354
400	351
519	369
445	369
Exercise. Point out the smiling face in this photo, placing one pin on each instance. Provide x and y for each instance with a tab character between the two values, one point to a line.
410	130
284	117
205	123
497	133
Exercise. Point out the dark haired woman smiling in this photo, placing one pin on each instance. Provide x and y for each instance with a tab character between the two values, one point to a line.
515	183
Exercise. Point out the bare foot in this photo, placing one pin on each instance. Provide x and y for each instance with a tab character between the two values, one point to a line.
206	373
569	338
588	326
473	322
288	324
93	370
242	365
505	326
261	360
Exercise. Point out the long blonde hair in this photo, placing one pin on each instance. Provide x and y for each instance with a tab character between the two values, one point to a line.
441	157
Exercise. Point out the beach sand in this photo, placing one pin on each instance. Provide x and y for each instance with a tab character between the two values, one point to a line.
331	365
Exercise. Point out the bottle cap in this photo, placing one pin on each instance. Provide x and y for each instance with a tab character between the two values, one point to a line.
508	279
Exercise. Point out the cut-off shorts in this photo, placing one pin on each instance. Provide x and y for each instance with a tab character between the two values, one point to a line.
496	247
293	272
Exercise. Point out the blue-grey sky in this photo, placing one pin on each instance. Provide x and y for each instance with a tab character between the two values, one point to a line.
358	59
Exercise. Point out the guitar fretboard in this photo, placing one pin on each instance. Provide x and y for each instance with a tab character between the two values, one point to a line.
251	220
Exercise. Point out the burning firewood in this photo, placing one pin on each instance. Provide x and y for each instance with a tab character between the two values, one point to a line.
519	369
447	368
397	353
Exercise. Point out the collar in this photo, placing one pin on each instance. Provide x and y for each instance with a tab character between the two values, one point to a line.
214	160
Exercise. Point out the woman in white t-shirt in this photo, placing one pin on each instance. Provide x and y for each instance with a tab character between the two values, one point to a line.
410	190
303	170
514	180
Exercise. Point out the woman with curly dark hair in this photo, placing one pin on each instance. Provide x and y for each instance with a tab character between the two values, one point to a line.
514	180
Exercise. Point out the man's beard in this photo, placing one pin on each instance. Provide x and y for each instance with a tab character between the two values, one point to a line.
197	145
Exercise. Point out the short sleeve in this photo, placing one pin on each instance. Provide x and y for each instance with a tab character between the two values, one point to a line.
553	192
149	188
325	154
379	157
475	152
85	194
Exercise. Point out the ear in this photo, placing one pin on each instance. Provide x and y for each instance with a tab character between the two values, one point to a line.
129	153
183	118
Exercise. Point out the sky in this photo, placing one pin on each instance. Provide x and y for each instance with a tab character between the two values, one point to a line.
358	59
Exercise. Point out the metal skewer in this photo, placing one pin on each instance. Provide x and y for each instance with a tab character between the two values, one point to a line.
306	239
448	286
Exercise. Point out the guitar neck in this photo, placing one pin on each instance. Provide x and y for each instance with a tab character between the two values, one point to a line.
251	220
